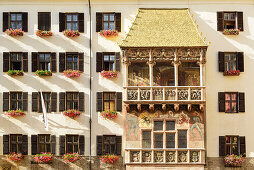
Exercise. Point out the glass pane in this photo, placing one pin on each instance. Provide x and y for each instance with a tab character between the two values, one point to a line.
13	25
69	65
106	57
75	17
158	140
68	17
19	105
75	105
234	106
69	138
75	58
112	106
112	17
227	96
14	96
112	57
13	138
112	26
41	148
106	27
234	140
112	96
42	57
19	25
182	139
113	148
41	139
75	139
69	59
75	27
189	74
20	148
13	17
68	26
170	125
14	148
69	148
47	57
170	140
75	96
106	106
47	147
138	74
227	139
19	17
106	96
75	148
47	138
146	141
233	96
158	125
69	96
105	17
75	66
19	96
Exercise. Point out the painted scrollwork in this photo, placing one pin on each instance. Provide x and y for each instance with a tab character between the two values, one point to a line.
170	94
146	156
170	156
182	94
157	94
144	94
182	156
132	94
158	156
194	156
196	94
135	156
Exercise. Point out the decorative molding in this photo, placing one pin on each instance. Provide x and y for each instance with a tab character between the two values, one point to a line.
189	107
139	107
151	107
176	107
164	107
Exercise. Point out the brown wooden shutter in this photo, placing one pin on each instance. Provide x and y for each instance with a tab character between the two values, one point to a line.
81	144
61	62
81	61
5	21
25	21
118	21
61	101
5	101
25	101
99	145
220	21
98	21
53	62
119	101
34	144
221	61
241	102
99	62
118	145
242	146
44	21
81	22
25	61
240	20
25	144
221	101
6	144
81	101
61	22
118	62
6	61
240	61
62	144
35	101
222	145
53	144
99	101
53	102
35	61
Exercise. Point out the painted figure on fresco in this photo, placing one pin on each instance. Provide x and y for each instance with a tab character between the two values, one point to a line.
195	120
132	123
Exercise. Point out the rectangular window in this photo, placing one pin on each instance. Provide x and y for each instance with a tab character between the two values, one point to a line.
44	61
170	125
146	139
108	21
16	20
72	100
232	145
189	74
109	62
72	22
72	143
230	61
16	100
47	101
182	138
109	144
170	140
44	21
230	20
15	61
72	61
16	144
158	126
158	140
109	100
44	143
231	104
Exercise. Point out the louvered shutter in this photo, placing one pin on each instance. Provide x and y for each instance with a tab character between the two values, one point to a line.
118	62
44	21
61	22
34	144
241	102
61	62
6	144
35	61
81	144
222	145
99	145
221	101
242	146
220	21
221	61
119	101
62	144
25	21
61	101
6	61
5	101
81	22
99	62
53	62
5	21
81	61
25	61
35	101
99	101
240	61
98	21
118	145
118	21
240	20
53	102
53	144
25	144
81	101
25	101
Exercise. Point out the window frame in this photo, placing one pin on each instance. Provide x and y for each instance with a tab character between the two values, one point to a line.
108	13
232	144
44	61
17	143
71	143
72	55
45	100
44	143
109	100
15	100
103	144
71	100
10	21
230	102
109	61
230	20
230	61
12	61
72	22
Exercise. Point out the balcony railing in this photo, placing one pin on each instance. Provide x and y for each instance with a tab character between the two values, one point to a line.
165	156
164	93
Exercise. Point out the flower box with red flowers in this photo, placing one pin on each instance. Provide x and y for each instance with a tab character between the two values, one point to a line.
109	74
109	114
108	33
233	160
15	72
14	32
232	73
14	157
72	113
41	33
231	31
71	157
15	113
71	34
43	73
44	157
72	73
109	159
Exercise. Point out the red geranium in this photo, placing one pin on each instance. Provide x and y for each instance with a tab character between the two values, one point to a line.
109	74
15	157
109	114
109	159
232	73
108	33
15	113
14	32
72	73
71	34
43	157
72	113
41	33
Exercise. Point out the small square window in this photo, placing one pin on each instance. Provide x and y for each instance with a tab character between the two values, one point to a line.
109	21
170	125
72	22
158	125
15	21
230	60
109	62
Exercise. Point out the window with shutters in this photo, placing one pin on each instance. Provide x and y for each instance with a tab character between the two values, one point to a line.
72	143
109	144
231	102
230	61
232	144
44	21
47	102
44	61
44	143
16	143
71	22
109	100
16	100
15	61
109	62
15	20
108	21
229	20
72	100
72	61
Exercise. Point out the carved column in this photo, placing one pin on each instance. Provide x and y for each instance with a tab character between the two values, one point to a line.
176	66
126	65
151	64
202	68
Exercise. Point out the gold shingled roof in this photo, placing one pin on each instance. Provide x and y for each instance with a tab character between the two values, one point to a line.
163	28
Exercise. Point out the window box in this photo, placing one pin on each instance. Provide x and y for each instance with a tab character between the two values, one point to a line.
43	158
15	113
43	73
109	114
14	32
231	31
109	159
109	74
232	73
14	157
72	73
71	157
15	73
233	160
72	113
71	34
108	33
41	33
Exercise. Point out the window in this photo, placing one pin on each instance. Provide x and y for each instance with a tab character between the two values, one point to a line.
44	21
229	20
44	143
146	139
232	144
163	74
109	144
109	99
16	144
72	143
229	61
50	101
44	61
71	21
16	101
109	62
15	61
47	101
72	61
108	21
16	21
182	138
231	102
189	74
138	74
72	100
